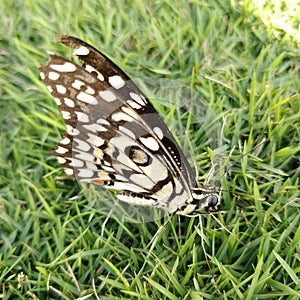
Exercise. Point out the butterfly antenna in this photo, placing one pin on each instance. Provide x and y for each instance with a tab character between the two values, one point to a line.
241	157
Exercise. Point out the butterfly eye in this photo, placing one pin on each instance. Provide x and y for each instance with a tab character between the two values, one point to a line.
213	201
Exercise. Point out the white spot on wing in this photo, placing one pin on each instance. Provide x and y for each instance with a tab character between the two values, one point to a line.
69	102
77	84
65	141
85	173
66	67
129	111
61	160
50	89
103	122
66	115
61	89
42	75
89	90
82	117
58	101
53	75
150	143
120	116
134	104
121	178
137	98
84	156
61	150
91	69
166	191
187	210
108	169
95	140
84	97
82	145
69	171
82	50
116	81
76	163
71	130
158	132
107	96
95	127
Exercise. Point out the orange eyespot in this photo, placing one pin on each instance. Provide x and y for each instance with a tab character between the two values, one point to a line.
98	182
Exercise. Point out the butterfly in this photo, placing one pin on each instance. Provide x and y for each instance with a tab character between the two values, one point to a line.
116	139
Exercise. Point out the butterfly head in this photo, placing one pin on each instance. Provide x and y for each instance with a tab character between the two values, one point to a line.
203	199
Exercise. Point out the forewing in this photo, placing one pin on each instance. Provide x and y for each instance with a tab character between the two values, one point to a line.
114	136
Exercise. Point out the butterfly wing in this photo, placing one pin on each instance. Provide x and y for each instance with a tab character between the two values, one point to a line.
114	136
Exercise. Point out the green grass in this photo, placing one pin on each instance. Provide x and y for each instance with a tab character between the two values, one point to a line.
245	65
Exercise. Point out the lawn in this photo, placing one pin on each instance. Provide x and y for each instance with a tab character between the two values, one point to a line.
242	58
